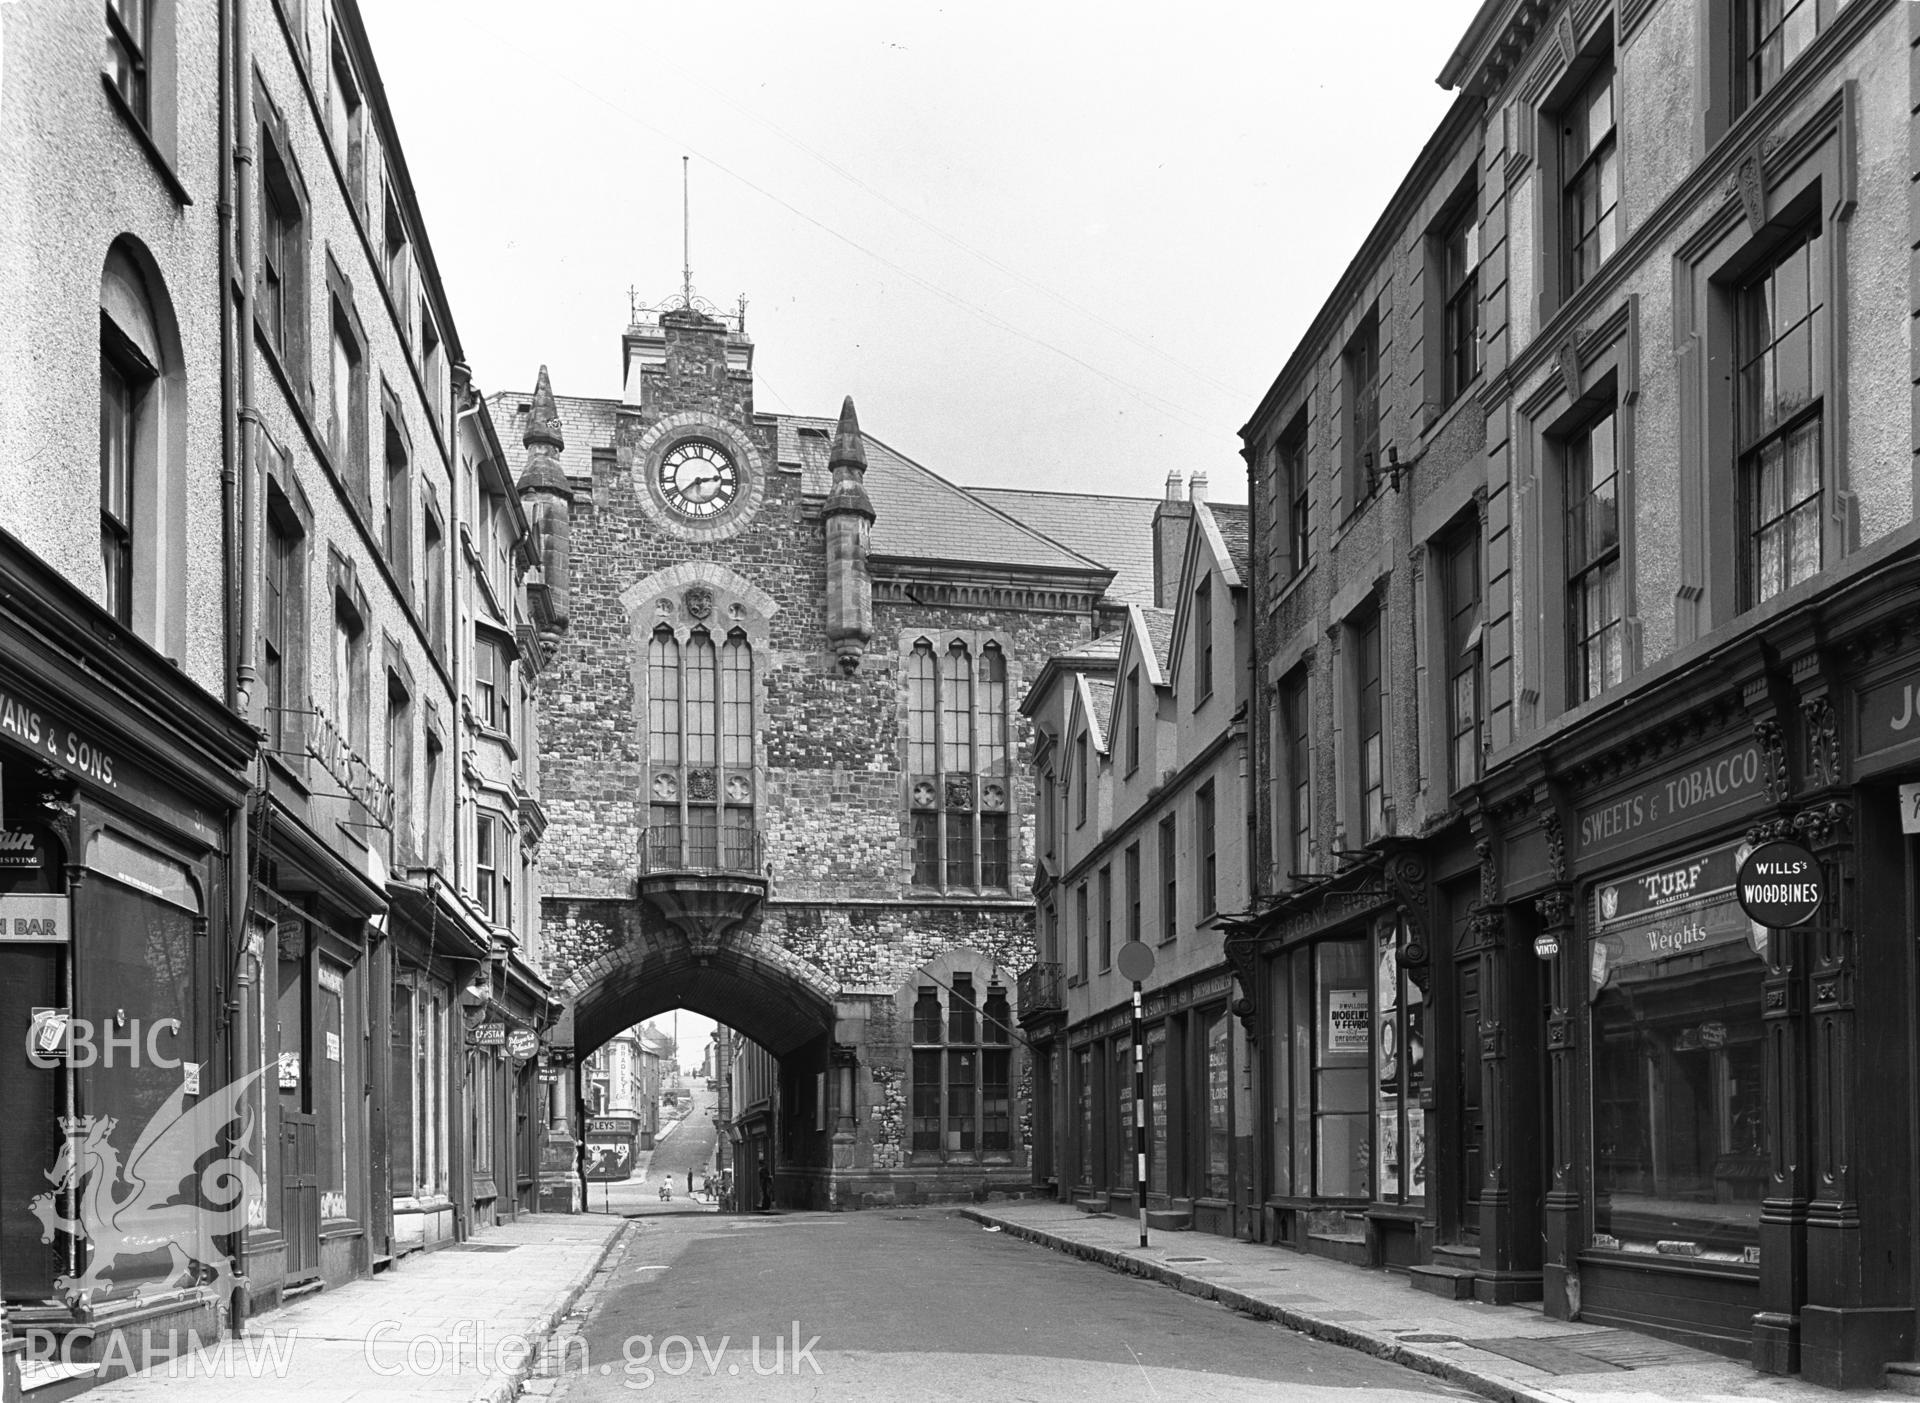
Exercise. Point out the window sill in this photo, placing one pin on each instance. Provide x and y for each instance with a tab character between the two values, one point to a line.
1449	412
161	166
1287	590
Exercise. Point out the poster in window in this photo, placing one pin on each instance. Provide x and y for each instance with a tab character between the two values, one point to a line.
1349	1025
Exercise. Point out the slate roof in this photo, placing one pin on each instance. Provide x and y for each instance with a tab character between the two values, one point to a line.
586	424
1107	645
1101	690
1159	624
1234	521
1116	531
919	514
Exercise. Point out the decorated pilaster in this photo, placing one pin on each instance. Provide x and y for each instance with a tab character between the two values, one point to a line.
1783	1211
548	499
1561	1272
849	519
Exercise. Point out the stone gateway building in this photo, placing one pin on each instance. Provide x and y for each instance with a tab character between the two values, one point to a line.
781	753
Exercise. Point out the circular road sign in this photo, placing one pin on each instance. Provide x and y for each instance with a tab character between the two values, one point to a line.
1136	961
1780	885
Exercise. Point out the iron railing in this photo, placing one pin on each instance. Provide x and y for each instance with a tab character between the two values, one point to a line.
1039	989
676	847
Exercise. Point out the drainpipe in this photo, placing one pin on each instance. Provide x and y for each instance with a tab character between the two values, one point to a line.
236	261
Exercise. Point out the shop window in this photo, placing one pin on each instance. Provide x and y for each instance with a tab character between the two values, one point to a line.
1322	1055
957	761
331	1105
1589	179
1360	384
1156	1057
138	972
1596	595
1169	879
1370	729
1083	1114
1399	1062
1780	331
1460	582
1679	1086
402	1122
1216	1101
701	751
427	1088
1120	1084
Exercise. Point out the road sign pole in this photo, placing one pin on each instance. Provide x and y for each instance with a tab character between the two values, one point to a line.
1139	1112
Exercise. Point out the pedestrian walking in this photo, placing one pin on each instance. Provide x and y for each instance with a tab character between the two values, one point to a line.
689	1183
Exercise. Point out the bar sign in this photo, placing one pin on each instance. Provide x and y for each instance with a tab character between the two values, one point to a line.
34	918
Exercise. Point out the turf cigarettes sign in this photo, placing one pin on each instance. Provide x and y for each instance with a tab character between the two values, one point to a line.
1780	884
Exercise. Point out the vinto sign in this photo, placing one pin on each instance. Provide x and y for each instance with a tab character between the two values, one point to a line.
1780	885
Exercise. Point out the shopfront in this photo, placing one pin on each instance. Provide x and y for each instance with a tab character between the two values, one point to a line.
1198	1101
121	790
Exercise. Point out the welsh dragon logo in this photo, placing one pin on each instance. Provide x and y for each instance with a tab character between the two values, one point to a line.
185	1183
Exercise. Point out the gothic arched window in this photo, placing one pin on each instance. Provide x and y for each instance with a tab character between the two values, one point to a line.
700	752
957	765
962	1071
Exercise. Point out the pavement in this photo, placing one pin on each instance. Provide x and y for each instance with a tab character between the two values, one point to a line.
463	1322
1511	1353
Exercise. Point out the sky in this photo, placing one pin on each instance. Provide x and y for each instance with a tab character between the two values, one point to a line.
696	1031
1041	244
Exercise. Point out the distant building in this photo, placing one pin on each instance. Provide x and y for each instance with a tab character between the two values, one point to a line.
781	754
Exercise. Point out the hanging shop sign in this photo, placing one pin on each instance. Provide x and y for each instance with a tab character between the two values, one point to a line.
35	918
488	1035
326	743
1546	946
1781	885
522	1044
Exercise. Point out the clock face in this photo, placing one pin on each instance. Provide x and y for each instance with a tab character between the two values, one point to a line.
698	479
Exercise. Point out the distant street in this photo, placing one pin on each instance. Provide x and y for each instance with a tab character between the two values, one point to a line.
689	1146
927	1305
